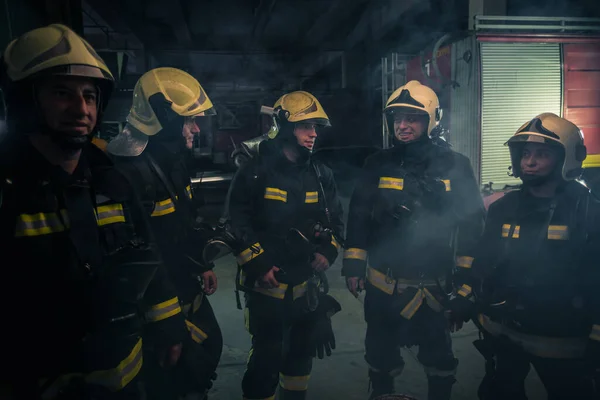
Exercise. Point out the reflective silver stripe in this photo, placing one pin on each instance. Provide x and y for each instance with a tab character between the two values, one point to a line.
558	232
163	310
249	254
545	347
386	182
465	261
312	197
355	254
197	334
41	224
275	194
163	207
465	290
595	333
110	214
294	383
380	280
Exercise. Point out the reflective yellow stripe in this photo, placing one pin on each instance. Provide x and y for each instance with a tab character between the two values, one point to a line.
335	244
355	254
380	281
411	308
118	377
41	224
312	197
386	182
294	383
506	231
558	232
249	254
114	379
188	191
448	185
595	333
546	347
197	334
277	292
432	302
163	310
275	194
464	261
300	290
163	207
110	214
197	303
465	290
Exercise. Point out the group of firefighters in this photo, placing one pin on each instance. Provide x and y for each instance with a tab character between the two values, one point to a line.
106	244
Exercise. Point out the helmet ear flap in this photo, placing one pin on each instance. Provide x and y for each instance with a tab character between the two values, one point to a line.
580	152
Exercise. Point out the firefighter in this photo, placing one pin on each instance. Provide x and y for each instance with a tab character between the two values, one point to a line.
414	208
537	262
153	151
75	241
285	213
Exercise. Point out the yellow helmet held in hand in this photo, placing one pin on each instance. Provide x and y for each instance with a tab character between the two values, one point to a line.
186	96
417	98
56	50
551	129
302	107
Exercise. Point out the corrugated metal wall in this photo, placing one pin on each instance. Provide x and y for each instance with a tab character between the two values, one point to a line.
519	81
465	126
582	94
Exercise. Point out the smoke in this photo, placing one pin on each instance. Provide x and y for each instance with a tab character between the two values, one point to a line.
553	8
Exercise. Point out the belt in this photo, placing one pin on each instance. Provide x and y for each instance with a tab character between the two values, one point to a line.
387	285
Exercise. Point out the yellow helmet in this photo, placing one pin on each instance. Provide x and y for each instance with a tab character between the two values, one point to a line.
418	98
551	129
302	107
55	50
186	96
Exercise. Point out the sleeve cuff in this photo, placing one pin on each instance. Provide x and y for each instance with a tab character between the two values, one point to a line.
465	262
465	291
355	262
330	250
166	323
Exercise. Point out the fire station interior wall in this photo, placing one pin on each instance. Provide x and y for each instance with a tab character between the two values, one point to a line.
582	94
519	81
464	97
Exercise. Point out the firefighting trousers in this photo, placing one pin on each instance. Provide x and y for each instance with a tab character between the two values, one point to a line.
201	352
387	333
275	358
563	378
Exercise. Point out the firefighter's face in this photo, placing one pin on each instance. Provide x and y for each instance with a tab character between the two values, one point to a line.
538	160
190	129
69	104
409	127
306	134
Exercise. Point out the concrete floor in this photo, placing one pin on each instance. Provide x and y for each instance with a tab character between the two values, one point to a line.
344	374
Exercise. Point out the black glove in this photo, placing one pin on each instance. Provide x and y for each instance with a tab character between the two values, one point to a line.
461	308
281	116
322	339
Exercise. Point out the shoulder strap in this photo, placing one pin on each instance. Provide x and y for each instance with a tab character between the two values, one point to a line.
317	170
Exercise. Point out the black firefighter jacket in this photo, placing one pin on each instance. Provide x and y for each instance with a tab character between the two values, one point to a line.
415	213
80	268
271	195
538	259
172	220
